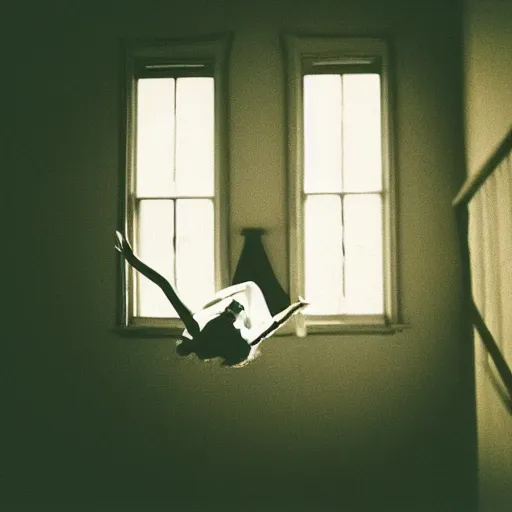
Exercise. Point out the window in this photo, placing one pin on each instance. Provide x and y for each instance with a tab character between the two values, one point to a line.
342	234
175	209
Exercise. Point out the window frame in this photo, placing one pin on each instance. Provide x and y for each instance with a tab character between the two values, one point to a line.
336	53
171	58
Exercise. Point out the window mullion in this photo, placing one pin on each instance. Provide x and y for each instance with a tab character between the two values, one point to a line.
343	251
174	242
182	196
174	174
173	171
342	201
342	194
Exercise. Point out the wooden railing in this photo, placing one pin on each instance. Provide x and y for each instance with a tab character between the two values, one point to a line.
460	204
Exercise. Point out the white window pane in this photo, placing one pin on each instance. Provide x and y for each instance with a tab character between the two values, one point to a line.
322	133
155	137
195	263
195	136
362	155
155	248
323	254
363	254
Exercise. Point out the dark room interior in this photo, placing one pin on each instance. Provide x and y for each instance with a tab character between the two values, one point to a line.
94	420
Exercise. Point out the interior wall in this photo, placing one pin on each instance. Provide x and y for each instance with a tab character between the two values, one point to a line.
488	118
98	420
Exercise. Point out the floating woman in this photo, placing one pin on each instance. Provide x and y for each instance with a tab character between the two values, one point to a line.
230	326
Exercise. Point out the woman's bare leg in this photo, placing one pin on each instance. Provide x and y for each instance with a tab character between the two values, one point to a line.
123	246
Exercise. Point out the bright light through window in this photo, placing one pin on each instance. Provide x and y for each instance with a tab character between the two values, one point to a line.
343	204
174	190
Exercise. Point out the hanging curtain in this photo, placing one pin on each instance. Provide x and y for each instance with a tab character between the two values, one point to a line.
490	243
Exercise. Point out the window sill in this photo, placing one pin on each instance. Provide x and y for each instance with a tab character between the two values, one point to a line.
349	324
344	329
